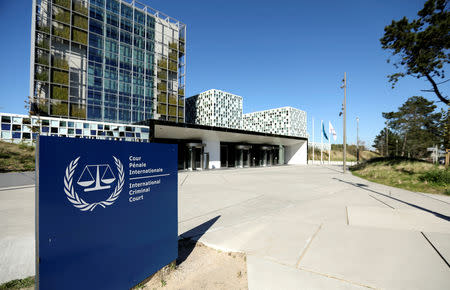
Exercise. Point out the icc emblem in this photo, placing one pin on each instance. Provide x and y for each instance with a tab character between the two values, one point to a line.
93	178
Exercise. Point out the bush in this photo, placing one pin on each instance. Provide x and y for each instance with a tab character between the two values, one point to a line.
60	93
62	16
437	176
63	3
79	36
60	63
60	77
79	21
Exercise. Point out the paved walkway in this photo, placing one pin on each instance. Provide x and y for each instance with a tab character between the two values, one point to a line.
312	227
301	226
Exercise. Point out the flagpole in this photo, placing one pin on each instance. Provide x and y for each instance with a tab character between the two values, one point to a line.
329	143
321	142
313	139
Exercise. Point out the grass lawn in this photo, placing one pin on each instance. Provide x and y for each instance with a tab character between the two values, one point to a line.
16	157
337	155
18	284
410	174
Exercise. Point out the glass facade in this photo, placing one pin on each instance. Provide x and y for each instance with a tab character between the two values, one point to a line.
23	129
107	60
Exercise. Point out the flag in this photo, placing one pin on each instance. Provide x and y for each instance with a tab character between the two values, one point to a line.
332	131
323	131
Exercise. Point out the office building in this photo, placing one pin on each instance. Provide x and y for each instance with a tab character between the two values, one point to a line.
215	108
17	128
106	60
281	121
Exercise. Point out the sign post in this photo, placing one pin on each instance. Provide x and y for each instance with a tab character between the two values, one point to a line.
106	212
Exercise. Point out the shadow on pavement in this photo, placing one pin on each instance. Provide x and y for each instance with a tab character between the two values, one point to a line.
364	187
186	244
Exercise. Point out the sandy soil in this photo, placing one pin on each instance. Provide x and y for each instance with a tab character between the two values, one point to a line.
201	267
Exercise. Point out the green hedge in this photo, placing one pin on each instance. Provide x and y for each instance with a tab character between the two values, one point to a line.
60	109
44	28
63	3
79	36
162	87
77	111
60	93
42	60
63	32
78	7
60	63
60	77
437	176
42	76
63	16
43	44
80	21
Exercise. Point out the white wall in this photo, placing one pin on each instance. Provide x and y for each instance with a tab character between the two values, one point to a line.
297	153
213	148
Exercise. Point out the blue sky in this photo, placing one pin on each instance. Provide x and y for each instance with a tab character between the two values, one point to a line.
272	53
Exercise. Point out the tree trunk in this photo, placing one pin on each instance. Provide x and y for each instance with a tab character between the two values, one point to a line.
436	90
404	146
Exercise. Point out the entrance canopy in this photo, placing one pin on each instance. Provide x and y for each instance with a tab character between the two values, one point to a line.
170	130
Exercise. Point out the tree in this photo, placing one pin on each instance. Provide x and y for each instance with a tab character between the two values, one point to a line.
393	141
417	124
421	45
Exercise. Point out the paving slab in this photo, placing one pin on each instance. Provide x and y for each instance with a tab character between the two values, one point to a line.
403	219
265	274
378	258
17	250
275	237
441	241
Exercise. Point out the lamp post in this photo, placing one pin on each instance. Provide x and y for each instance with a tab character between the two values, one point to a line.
357	139
344	111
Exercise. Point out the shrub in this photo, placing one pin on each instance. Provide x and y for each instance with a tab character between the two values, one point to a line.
59	109
79	36
437	176
63	3
61	31
43	44
62	16
80	21
42	60
77	111
42	76
60	63
60	93
80	8
60	77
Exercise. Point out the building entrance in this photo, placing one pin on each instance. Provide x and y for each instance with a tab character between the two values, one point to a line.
243	155
194	156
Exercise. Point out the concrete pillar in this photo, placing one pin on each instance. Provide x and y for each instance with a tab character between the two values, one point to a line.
296	153
213	148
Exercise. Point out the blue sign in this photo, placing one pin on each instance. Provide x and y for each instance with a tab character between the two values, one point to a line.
106	212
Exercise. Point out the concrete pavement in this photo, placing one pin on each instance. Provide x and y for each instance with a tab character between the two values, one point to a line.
302	227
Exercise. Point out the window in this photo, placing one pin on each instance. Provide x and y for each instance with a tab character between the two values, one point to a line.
112	32
96	13
112	19
112	5
127	11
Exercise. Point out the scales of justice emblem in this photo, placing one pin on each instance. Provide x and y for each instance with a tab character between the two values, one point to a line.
93	178
87	178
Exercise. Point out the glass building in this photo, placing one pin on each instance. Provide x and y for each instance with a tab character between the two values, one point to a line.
106	60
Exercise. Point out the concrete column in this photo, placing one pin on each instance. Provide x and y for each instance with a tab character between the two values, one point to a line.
296	153
213	148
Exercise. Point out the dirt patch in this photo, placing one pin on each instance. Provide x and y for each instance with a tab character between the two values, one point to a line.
201	267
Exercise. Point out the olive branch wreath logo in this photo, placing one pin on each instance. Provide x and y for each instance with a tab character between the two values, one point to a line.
78	202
